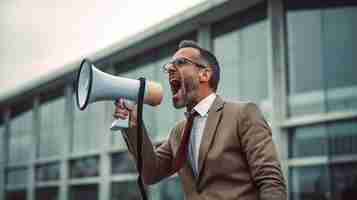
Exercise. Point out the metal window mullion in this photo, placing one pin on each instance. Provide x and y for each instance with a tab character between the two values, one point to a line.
104	160
278	75
31	167
4	143
318	118
67	141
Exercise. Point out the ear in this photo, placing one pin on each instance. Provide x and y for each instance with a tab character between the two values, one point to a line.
205	75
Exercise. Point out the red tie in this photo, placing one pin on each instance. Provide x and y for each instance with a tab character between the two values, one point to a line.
181	154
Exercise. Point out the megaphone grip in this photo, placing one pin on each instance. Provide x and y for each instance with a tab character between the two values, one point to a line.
120	124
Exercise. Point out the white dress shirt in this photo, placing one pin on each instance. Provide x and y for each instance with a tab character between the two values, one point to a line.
197	130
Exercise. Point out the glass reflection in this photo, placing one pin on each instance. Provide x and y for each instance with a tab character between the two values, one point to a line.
344	181
87	192
329	139
47	172
125	190
47	194
85	167
309	183
122	163
322	62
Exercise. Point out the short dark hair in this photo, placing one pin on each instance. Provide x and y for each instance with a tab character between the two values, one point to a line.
208	57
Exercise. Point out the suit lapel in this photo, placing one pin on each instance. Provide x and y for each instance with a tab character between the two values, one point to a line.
214	116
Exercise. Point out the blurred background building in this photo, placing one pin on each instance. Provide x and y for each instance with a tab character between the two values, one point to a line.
296	59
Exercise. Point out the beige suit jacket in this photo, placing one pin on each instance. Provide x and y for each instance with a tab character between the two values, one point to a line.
237	157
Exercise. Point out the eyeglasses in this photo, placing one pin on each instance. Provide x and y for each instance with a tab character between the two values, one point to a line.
179	63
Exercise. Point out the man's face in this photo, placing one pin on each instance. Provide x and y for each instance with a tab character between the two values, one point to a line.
184	77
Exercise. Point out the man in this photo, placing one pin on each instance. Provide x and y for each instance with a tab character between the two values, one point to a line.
230	153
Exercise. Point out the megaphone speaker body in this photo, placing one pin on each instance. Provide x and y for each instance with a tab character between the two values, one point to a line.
93	85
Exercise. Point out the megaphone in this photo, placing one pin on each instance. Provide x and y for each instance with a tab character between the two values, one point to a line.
93	85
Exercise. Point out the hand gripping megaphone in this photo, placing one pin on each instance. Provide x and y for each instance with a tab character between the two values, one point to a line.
94	85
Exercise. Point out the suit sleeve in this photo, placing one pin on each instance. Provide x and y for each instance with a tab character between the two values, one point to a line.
157	161
261	154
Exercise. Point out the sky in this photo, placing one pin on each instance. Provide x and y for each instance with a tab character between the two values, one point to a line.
39	36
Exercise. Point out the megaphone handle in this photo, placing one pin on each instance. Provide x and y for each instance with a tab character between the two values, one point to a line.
119	124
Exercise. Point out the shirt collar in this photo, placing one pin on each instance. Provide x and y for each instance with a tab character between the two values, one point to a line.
205	104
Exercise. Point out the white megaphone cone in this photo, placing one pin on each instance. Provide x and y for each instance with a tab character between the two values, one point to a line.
94	85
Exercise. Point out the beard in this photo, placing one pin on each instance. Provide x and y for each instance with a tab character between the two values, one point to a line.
187	94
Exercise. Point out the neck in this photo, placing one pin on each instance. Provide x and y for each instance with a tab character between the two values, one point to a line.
200	97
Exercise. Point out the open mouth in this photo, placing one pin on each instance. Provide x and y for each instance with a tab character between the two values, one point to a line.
175	86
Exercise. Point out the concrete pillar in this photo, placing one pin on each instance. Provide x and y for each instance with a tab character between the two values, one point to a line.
278	75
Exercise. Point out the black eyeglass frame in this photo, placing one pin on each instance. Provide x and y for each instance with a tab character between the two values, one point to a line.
184	61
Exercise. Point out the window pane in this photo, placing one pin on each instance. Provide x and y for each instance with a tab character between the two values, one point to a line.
122	163
344	181
89	128
321	46
243	55
20	138
308	141
52	117
254	69
87	192
47	194
125	190
48	172
169	188
84	167
309	183
339	35
16	176
227	51
343	138
331	139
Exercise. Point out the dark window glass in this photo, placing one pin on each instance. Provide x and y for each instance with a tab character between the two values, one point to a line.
330	139
122	163
16	195
169	188
322	61
47	194
309	183
308	141
125	190
47	172
333	181
344	181
84	167
87	192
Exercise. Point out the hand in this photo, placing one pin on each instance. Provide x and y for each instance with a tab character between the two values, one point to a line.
124	109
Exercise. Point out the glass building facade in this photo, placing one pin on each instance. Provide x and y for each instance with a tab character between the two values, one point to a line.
295	59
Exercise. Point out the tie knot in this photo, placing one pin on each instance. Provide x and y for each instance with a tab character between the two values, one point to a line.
191	114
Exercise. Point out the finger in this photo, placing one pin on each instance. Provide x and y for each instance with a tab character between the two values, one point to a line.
121	111
120	115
